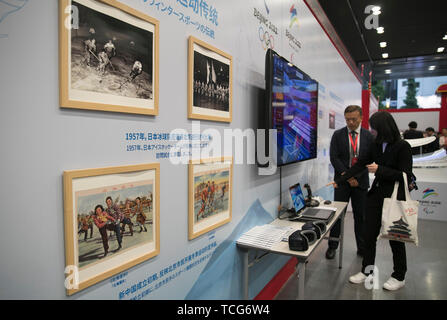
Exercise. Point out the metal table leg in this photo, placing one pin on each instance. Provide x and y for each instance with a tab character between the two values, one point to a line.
245	274
301	277
340	242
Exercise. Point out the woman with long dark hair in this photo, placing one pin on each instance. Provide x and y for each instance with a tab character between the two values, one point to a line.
387	158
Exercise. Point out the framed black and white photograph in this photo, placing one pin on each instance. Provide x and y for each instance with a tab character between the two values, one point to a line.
209	83
108	57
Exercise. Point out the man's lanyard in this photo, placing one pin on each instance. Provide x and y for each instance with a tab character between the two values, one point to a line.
354	145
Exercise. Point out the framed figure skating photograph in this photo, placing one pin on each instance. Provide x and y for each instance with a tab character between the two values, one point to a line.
210	89
111	218
108	57
210	194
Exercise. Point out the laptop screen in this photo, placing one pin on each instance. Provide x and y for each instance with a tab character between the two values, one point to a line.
297	197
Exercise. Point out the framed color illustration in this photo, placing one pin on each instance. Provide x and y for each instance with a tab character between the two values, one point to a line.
210	190
112	220
210	89
108	57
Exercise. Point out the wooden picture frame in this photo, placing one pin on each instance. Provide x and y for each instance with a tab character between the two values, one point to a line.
210	78
210	194
108	57
93	201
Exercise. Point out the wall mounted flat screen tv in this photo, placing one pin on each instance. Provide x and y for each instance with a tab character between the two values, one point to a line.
292	109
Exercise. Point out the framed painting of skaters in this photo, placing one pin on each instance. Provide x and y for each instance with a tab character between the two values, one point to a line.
210	89
111	218
210	190
108	57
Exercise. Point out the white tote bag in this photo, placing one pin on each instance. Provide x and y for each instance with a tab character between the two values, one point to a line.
400	218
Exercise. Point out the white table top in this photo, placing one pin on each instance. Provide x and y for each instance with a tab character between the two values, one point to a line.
283	247
438	175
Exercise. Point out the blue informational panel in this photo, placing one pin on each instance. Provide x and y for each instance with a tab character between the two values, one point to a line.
40	141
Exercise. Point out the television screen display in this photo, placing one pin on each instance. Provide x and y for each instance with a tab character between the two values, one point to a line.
293	104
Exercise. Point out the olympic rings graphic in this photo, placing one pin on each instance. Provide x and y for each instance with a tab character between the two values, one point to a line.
266	39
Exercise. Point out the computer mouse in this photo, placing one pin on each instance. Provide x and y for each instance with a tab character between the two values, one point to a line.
328	202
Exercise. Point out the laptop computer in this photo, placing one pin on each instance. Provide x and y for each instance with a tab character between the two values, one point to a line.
303	213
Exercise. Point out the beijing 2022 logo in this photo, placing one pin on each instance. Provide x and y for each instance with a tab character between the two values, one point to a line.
293	17
429	192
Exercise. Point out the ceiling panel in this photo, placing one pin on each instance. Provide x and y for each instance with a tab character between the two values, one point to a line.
412	29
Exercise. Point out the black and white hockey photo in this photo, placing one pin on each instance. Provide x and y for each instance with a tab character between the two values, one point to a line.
110	56
211	83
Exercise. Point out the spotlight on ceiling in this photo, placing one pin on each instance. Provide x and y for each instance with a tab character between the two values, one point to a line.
388	71
431	68
383	44
441	49
445	37
380	30
384	55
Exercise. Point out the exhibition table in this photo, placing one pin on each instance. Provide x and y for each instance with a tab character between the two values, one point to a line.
282	247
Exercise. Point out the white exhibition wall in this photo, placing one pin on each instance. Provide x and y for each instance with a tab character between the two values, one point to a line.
424	119
40	141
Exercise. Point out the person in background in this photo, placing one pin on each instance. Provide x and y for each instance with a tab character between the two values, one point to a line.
137	69
110	49
347	144
89	50
84	227
141	217
114	211
387	158
432	146
413	133
213	191
103	62
103	221
443	139
127	218
224	187
90	225
204	198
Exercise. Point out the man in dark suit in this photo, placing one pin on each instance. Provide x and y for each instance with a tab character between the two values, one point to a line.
432	146
347	144
413	133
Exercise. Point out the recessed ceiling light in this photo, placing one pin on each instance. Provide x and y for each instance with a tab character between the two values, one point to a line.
380	30
383	44
441	49
384	55
388	71
445	37
431	68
